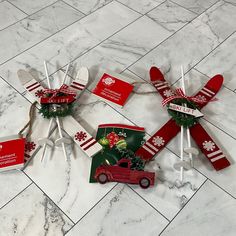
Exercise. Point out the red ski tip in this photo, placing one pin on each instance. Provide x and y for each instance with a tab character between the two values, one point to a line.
155	74
215	83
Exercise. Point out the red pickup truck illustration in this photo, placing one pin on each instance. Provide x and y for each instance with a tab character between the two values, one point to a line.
121	172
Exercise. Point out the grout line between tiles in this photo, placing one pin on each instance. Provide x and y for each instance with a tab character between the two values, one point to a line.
183	207
92	207
217	185
166	39
48	36
17	7
148	202
187	8
73	7
48	197
15	196
210	77
128	7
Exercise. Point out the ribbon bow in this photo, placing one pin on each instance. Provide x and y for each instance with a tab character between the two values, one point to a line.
63	89
180	94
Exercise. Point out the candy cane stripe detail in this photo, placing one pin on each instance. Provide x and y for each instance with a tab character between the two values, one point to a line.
87	141
82	85
207	94
217	158
34	88
151	146
31	85
75	87
209	91
149	150
164	86
214	153
90	145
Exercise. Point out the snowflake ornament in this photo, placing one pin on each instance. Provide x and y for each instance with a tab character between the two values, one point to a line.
168	93
29	146
158	141
201	98
208	145
80	136
39	93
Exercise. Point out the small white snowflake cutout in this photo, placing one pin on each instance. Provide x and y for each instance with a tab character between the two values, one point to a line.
168	93
208	145
158	141
201	98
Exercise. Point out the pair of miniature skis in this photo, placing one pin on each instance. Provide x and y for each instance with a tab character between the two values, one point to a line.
81	137
205	143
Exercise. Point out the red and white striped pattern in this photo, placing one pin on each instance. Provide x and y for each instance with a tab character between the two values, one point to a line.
88	144
207	92
150	148
160	84
77	86
217	155
33	86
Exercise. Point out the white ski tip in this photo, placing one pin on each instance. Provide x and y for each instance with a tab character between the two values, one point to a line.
192	150
83	75
183	164
24	76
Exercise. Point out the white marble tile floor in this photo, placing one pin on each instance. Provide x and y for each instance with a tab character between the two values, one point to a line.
55	198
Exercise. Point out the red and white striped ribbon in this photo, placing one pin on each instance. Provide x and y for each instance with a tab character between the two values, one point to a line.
180	94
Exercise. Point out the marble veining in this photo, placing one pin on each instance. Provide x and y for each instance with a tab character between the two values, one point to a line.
33	29
9	14
136	215
54	197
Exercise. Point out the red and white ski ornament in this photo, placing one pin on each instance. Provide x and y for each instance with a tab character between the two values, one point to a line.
160	139
87	144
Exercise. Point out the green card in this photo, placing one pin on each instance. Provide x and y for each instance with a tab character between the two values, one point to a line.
116	140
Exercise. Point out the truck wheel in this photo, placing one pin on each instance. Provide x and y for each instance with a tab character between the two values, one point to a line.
102	178
144	182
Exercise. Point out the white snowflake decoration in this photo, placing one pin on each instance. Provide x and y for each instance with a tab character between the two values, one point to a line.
158	141
108	81
201	98
208	145
168	93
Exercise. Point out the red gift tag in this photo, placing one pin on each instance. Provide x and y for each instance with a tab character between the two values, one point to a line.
11	153
113	89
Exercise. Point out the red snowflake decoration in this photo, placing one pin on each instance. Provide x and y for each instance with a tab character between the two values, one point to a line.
30	146
113	139
39	93
80	136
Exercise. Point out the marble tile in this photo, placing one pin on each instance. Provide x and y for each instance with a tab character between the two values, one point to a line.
191	44
122	49
142	6
221	60
35	28
167	197
67	182
121	212
171	16
12	103
31	6
210	212
32	213
11	183
87	7
9	14
196	6
70	43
